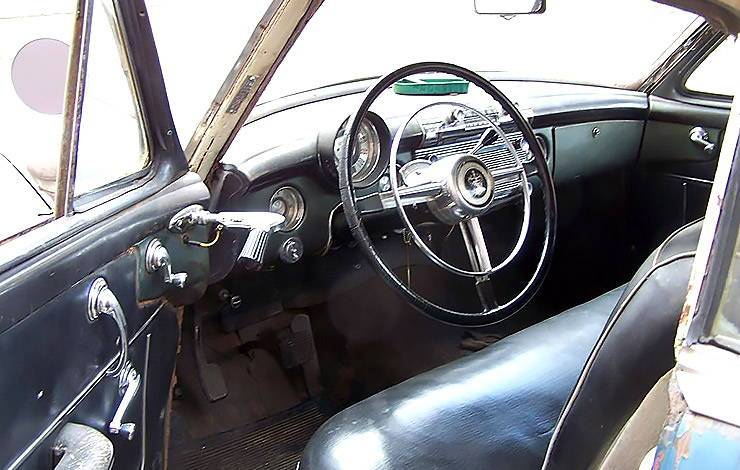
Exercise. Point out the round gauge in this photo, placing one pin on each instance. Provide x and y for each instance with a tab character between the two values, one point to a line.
366	154
289	203
414	172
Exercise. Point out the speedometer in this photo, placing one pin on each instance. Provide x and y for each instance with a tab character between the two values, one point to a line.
366	152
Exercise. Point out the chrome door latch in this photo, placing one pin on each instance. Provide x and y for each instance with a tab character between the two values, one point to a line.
128	385
102	301
157	258
260	225
700	136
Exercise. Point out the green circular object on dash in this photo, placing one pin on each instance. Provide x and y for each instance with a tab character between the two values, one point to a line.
431	86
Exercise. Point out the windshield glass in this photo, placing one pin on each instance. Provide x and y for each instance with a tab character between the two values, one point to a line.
605	42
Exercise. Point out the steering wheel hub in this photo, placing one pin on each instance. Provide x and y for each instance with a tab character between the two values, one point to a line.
466	188
475	183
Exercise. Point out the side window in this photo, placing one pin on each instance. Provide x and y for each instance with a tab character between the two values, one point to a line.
34	50
111	144
34	54
715	75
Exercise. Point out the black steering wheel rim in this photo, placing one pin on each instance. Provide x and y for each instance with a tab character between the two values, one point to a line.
351	211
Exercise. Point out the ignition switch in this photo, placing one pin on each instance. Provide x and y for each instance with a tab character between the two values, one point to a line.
234	301
291	250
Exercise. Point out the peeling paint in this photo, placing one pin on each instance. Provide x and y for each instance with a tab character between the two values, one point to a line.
683	447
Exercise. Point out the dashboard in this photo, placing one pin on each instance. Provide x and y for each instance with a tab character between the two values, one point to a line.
284	158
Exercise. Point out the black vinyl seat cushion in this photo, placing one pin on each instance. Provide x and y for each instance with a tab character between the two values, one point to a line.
495	408
553	395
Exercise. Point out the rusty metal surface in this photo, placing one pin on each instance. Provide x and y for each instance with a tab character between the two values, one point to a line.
72	114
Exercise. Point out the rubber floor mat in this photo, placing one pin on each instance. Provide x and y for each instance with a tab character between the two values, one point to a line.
272	443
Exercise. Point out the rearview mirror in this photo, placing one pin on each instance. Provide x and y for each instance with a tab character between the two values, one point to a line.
509	7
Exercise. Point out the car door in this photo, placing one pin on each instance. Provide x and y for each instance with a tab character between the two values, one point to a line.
89	313
688	114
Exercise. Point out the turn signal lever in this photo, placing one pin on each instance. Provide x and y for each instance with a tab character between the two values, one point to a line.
260	225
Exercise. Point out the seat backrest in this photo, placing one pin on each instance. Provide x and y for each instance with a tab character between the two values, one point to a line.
633	352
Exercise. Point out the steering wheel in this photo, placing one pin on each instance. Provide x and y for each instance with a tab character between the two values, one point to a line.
458	189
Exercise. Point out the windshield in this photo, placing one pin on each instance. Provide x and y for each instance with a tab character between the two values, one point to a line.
604	42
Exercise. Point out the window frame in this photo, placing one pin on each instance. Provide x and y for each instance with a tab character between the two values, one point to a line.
686	73
84	202
167	163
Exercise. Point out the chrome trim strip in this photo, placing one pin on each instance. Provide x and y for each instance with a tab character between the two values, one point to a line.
690	179
67	410
144	391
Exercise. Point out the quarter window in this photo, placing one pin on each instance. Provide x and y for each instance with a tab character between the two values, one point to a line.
111	143
715	75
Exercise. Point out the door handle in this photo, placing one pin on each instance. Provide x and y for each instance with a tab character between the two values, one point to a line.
128	385
82	447
102	301
700	136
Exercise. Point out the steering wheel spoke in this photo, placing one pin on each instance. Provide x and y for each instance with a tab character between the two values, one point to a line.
475	243
480	260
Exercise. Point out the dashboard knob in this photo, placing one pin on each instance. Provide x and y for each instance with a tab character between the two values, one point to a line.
291	250
385	183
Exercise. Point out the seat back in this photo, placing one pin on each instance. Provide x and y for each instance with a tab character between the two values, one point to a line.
633	351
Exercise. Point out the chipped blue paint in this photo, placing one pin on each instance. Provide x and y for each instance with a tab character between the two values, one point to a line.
696	442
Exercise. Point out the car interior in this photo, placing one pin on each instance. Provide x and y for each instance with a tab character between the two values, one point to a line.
310	353
439	267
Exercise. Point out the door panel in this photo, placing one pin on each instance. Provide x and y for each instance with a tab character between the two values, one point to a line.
667	147
51	355
675	174
152	352
54	359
